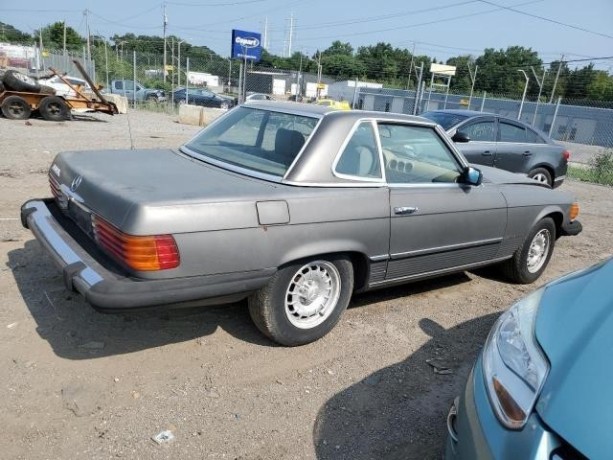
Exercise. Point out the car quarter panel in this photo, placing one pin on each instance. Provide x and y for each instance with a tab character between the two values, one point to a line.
321	221
524	213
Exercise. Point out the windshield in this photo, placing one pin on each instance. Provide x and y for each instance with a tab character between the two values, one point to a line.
259	140
445	119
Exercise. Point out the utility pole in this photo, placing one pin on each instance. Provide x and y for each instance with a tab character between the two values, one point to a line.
165	24
555	82
419	89
291	33
473	78
411	66
317	91
64	40
179	63
89	50
265	40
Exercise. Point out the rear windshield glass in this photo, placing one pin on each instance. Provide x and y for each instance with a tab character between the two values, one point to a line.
263	141
446	120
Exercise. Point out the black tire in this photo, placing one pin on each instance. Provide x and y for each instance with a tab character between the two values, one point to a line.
18	81
54	108
44	89
274	311
541	175
152	98
16	108
526	265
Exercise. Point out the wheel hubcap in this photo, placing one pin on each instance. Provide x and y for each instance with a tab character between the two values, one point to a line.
312	294
540	178
539	249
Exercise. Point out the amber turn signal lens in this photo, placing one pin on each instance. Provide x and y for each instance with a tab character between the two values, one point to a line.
573	212
141	253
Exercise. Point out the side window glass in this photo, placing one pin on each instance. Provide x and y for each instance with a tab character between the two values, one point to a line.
512	133
534	137
119	84
481	131
416	155
360	158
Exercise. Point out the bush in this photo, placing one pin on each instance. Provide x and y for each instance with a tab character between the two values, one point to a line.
599	170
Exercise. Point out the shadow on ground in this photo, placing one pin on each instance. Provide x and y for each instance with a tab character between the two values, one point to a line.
76	331
399	412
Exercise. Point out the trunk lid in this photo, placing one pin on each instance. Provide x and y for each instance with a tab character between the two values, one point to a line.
144	192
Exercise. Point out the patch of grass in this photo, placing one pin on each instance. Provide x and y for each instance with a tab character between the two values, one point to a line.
598	171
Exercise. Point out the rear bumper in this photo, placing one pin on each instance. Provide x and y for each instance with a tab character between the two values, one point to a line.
110	290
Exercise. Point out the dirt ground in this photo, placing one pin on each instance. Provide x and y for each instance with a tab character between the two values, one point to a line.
82	385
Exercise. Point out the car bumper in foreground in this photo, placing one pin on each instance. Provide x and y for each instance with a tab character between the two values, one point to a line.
572	228
476	433
110	290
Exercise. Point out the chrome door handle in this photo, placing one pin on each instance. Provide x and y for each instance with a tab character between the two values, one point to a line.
405	210
486	153
527	153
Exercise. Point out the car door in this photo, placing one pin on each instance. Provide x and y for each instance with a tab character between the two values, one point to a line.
513	151
436	223
481	149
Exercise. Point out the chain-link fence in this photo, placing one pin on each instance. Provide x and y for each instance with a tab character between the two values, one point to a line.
586	127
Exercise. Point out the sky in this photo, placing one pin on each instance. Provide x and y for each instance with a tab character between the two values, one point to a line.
581	30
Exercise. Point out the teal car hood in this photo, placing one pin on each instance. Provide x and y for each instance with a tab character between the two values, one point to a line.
575	329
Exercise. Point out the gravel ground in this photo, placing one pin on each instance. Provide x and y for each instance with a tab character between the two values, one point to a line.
82	385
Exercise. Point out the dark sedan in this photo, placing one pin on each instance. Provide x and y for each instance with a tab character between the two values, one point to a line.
202	97
492	140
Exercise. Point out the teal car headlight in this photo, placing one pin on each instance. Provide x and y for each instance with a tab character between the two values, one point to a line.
514	365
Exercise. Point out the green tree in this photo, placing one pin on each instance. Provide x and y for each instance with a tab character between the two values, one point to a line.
53	37
499	70
9	34
462	81
579	80
338	48
601	87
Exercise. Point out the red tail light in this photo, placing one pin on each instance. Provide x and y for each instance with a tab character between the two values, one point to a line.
142	253
566	155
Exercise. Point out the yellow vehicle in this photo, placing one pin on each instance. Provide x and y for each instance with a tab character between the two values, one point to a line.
341	105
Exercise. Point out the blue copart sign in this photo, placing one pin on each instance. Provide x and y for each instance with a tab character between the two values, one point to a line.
246	45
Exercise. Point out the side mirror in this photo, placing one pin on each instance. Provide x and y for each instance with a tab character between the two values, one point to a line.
472	176
460	137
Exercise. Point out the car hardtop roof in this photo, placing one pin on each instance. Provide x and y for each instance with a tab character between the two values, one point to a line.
322	110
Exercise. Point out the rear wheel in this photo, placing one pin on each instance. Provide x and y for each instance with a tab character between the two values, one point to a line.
16	108
541	175
54	108
303	301
152	98
532	257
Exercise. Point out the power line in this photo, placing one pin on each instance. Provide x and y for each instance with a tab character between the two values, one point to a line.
215	4
436	21
547	19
